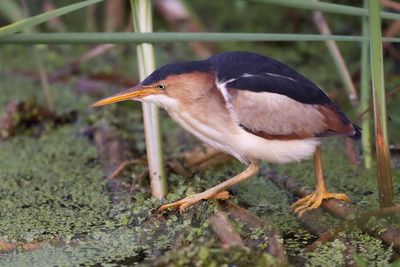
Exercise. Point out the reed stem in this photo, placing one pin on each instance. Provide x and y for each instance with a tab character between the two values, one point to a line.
365	92
142	21
378	87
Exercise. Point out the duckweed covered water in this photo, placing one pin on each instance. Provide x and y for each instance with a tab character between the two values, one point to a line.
53	187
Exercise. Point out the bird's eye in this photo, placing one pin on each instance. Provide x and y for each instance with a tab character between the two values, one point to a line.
160	86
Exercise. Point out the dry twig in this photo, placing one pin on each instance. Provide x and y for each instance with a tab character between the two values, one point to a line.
112	149
343	210
179	18
225	230
275	246
117	172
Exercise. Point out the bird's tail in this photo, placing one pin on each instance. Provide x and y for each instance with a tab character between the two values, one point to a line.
356	135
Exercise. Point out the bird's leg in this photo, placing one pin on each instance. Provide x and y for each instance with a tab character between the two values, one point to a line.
314	200
217	191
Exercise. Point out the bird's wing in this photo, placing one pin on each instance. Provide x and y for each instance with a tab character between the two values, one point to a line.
272	100
257	73
275	116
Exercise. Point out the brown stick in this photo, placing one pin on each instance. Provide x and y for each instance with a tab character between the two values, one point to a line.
351	152
74	65
200	154
21	115
275	247
8	247
225	230
179	18
389	94
56	23
114	15
123	166
177	168
323	28
391	4
219	159
112	149
342	210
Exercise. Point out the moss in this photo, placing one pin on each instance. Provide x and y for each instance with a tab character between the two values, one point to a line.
340	175
205	254
51	186
329	255
98	247
351	247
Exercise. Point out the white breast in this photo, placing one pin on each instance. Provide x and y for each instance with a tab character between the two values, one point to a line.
235	141
245	146
209	135
274	151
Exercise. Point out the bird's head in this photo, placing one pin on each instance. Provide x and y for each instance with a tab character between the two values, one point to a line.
168	85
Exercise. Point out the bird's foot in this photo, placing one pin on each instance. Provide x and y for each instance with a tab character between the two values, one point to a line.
191	200
314	200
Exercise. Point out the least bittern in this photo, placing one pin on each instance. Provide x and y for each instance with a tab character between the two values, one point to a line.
250	106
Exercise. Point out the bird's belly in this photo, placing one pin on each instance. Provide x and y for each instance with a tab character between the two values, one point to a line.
246	146
208	134
251	147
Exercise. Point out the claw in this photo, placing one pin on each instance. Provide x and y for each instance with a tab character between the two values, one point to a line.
186	202
314	200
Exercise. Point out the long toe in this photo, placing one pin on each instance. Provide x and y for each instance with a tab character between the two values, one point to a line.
174	205
314	200
302	201
191	200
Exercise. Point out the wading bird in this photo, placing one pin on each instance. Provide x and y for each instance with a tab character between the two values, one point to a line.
250	106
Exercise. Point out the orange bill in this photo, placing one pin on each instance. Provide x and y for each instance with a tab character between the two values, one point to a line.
133	93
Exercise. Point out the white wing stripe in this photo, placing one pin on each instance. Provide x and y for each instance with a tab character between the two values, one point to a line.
280	76
222	88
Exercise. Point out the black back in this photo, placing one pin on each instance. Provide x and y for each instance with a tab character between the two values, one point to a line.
249	71
257	73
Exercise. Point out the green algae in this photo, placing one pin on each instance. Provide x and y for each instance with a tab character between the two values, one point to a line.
349	248
205	254
72	201
98	247
143	237
340	175
51	187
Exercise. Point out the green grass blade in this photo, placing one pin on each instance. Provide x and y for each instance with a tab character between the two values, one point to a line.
168	37
32	21
163	37
328	7
10	10
365	92
384	169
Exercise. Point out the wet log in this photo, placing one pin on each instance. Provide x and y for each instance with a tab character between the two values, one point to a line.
225	230
343	210
20	116
112	149
179	19
9	247
74	66
275	245
199	155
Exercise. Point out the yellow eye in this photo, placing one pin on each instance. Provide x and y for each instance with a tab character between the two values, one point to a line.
160	86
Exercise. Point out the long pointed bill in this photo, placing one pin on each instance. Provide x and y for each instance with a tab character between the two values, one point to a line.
133	93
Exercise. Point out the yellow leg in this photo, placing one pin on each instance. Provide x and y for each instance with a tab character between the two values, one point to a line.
217	191
314	200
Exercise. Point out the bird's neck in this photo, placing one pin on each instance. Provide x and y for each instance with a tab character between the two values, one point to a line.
162	101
